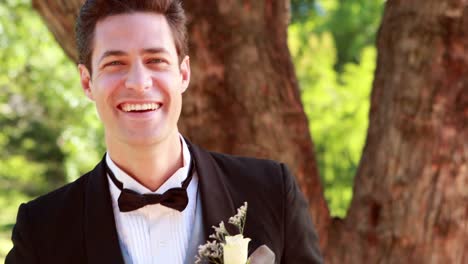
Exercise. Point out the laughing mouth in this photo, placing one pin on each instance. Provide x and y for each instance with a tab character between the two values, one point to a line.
126	107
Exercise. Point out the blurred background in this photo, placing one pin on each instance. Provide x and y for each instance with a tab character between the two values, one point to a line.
50	133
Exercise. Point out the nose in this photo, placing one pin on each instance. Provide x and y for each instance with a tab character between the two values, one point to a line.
138	78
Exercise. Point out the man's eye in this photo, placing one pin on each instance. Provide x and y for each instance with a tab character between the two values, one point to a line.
156	61
113	63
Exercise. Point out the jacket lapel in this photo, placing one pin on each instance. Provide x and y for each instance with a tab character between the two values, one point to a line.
216	202
101	240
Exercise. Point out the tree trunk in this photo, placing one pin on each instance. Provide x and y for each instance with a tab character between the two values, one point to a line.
410	202
243	98
244	90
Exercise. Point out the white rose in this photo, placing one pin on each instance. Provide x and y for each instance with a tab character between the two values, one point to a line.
235	249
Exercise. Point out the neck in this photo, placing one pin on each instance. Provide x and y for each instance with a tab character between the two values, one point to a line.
150	165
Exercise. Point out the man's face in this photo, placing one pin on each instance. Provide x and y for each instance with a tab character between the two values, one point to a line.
137	81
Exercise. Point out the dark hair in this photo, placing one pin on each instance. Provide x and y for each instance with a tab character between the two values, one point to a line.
93	11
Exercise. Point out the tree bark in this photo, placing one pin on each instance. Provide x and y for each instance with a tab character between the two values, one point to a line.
243	98
244	90
410	202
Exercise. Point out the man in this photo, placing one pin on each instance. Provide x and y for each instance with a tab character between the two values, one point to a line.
133	65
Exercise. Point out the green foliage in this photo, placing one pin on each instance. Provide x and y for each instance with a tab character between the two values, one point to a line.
336	102
353	24
302	10
46	123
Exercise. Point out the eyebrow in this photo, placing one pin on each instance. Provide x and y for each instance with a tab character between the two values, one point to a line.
111	53
121	53
155	50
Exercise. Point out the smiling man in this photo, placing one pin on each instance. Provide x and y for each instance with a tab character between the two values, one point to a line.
136	79
154	196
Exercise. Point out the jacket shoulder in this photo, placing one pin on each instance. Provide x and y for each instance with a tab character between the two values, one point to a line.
251	175
241	163
45	222
58	202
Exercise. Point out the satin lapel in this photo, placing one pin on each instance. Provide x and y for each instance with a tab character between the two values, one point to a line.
217	204
101	238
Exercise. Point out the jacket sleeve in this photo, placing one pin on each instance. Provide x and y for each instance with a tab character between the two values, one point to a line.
23	250
300	238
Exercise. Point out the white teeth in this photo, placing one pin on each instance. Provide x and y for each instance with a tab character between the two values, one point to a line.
140	107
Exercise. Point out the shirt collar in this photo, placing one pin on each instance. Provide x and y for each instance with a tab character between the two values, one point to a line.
174	181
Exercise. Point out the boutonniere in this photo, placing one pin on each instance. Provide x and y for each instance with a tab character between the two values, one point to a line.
226	248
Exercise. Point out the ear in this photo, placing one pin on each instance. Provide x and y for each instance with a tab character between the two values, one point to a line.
85	78
185	73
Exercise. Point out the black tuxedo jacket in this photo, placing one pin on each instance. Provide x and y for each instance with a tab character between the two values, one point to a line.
75	224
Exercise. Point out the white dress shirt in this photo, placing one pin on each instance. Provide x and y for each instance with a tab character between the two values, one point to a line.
155	233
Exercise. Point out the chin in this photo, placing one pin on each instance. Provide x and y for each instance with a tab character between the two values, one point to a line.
140	137
142	140
146	140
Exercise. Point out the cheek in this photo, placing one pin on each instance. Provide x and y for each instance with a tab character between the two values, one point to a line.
106	86
169	81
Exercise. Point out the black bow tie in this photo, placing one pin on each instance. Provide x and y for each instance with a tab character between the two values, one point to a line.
175	198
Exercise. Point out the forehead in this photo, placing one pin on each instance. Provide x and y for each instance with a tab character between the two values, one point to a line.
133	32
